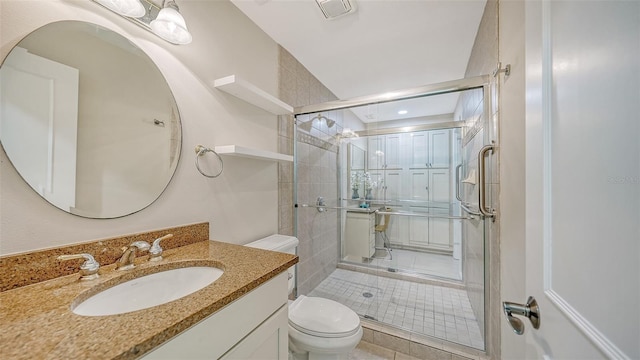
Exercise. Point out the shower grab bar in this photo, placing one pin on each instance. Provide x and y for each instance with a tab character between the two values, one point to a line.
423	215
458	182
325	207
468	209
482	196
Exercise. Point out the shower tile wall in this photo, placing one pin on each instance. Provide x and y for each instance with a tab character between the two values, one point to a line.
317	232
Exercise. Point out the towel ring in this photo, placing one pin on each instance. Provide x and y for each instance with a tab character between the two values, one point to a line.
201	150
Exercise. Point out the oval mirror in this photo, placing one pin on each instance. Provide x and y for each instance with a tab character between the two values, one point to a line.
88	120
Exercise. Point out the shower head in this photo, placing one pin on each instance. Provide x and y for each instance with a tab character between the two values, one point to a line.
330	122
307	125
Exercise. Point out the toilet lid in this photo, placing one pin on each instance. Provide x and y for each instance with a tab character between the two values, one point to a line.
322	317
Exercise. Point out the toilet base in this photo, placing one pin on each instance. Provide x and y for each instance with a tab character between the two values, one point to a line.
307	356
306	347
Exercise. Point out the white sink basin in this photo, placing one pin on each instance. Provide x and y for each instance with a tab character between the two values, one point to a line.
148	291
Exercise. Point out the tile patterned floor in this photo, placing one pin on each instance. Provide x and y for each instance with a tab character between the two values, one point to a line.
424	309
422	263
367	351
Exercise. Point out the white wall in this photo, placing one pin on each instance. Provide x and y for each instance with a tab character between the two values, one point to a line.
225	42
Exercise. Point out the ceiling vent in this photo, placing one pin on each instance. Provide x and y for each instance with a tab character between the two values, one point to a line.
336	8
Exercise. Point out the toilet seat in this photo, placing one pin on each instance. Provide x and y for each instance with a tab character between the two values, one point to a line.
322	317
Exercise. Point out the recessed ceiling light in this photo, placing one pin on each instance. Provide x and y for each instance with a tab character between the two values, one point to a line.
402	112
335	8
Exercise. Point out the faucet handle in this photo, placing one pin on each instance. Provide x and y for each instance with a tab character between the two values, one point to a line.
128	258
155	253
88	269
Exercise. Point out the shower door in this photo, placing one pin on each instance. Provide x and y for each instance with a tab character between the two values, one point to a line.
389	211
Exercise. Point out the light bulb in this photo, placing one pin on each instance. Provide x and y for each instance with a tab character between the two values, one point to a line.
130	8
170	25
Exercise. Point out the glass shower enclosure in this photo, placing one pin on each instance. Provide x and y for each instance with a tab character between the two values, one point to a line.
390	214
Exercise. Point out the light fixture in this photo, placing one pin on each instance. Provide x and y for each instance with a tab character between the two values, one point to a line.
402	112
332	9
166	21
307	125
131	8
348	134
170	25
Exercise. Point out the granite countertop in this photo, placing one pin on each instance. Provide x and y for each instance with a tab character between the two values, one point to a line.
37	322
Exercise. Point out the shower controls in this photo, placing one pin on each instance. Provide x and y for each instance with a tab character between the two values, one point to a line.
529	310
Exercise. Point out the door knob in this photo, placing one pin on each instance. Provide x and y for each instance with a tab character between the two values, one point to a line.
529	310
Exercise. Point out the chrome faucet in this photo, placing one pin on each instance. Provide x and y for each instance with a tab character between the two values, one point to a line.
155	253
126	262
88	269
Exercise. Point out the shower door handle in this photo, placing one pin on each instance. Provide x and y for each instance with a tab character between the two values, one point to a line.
458	182
482	201
530	310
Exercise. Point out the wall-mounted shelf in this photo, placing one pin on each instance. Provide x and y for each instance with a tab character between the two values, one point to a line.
252	94
235	150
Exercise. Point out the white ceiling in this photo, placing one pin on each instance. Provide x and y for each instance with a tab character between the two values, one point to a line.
384	45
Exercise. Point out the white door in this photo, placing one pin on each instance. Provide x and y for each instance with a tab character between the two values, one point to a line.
393	186
418	150
419	186
375	152
583	178
439	148
439	188
392	151
440	230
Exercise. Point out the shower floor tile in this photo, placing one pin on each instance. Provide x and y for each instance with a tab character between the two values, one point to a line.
422	263
422	308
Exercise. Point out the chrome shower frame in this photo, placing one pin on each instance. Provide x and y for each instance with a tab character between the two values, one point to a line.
483	82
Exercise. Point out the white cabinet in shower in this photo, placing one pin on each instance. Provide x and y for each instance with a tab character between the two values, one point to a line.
429	193
385	151
389	186
429	149
440	231
432	233
393	188
359	234
430	187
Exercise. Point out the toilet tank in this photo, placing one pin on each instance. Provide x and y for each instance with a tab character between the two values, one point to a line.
280	243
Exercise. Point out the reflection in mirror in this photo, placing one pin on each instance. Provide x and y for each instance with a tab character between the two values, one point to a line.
88	120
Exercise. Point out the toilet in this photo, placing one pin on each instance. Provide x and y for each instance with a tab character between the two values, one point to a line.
319	329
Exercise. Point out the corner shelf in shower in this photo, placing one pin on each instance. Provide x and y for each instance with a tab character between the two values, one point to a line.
241	151
252	94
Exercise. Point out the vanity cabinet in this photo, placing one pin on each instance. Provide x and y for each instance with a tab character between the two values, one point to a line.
360	240
254	326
